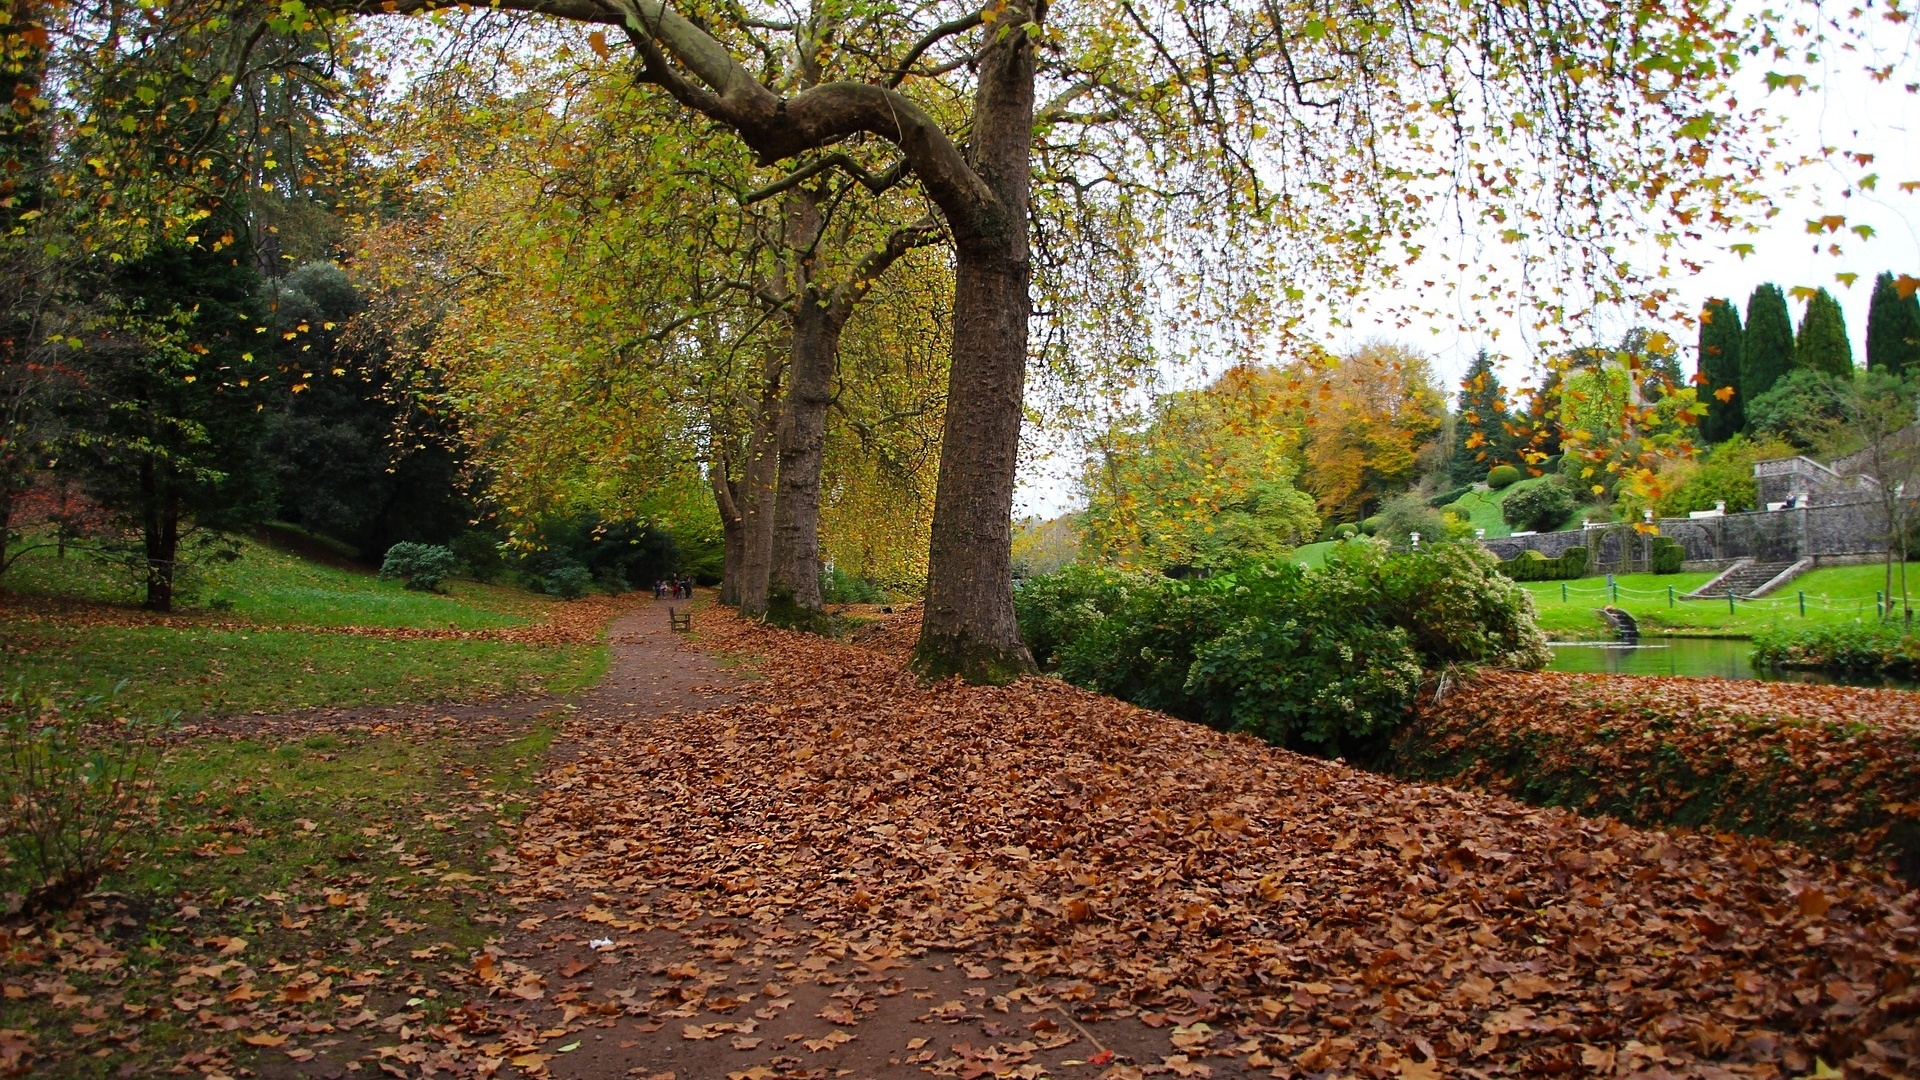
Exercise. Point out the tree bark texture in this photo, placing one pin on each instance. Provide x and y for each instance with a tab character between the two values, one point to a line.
969	628
723	490
794	588
757	476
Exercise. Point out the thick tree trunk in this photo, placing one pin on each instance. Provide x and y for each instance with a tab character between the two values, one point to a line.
756	499
730	530
969	627
794	590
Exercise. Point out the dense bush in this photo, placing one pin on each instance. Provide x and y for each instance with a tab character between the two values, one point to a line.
1533	566
615	554
73	787
422	566
1346	532
839	587
1370	526
1859	647
1403	515
480	553
1325	659
1501	476
569	581
1448	498
1668	555
1540	507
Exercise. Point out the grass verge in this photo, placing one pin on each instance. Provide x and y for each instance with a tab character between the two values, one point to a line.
299	886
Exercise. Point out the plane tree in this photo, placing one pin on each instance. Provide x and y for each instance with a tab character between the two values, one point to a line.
1328	133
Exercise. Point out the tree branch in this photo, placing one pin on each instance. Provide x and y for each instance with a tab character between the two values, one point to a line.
877	183
934	37
858	284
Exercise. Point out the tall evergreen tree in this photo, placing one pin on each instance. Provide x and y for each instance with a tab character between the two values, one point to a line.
1720	390
1766	348
1822	342
1483	427
172	409
1893	329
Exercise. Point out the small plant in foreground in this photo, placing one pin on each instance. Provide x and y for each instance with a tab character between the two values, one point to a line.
424	567
74	788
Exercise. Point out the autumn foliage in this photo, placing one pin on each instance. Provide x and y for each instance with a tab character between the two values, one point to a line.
1831	767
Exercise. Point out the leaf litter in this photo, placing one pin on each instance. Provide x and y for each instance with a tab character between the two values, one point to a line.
972	882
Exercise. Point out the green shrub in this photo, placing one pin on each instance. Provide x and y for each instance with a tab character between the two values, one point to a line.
1668	555
1501	476
1346	532
569	581
1370	526
1327	659
1448	498
423	566
1540	508
1533	566
479	552
839	587
1859	647
73	791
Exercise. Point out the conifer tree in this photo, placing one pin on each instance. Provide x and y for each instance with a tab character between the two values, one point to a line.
1482	431
1893	329
1766	348
1720	347
1822	342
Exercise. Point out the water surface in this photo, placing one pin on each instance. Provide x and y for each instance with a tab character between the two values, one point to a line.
1722	658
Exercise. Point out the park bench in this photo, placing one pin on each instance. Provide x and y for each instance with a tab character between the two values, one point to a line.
678	620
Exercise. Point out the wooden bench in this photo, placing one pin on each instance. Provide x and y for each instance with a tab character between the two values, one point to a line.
680	621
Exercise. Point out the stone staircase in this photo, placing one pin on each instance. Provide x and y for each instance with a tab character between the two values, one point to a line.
1745	579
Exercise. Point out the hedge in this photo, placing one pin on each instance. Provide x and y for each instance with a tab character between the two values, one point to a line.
1533	566
1448	498
1668	555
1501	476
1835	768
1862	648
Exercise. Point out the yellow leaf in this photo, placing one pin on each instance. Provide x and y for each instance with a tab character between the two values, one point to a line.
263	1038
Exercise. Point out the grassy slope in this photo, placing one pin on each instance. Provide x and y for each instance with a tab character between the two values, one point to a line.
1841	594
1482	508
222	671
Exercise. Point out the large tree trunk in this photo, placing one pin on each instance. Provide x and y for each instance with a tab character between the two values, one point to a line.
757	476
969	627
794	591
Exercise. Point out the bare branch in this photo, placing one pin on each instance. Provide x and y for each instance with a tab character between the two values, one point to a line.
934	37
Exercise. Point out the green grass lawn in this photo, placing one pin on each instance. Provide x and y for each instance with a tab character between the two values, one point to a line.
269	586
1840	594
207	671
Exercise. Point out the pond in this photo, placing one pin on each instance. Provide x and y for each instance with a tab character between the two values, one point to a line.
1723	658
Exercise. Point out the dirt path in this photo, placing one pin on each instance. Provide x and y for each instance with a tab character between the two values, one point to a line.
658	979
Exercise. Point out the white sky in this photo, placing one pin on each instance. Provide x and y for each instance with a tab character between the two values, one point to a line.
1849	111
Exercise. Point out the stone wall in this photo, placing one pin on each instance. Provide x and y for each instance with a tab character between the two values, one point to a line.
1852	528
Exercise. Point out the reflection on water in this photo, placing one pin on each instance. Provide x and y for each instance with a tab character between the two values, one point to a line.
1724	658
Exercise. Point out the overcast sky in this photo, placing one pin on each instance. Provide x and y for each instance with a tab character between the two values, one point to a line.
1849	111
